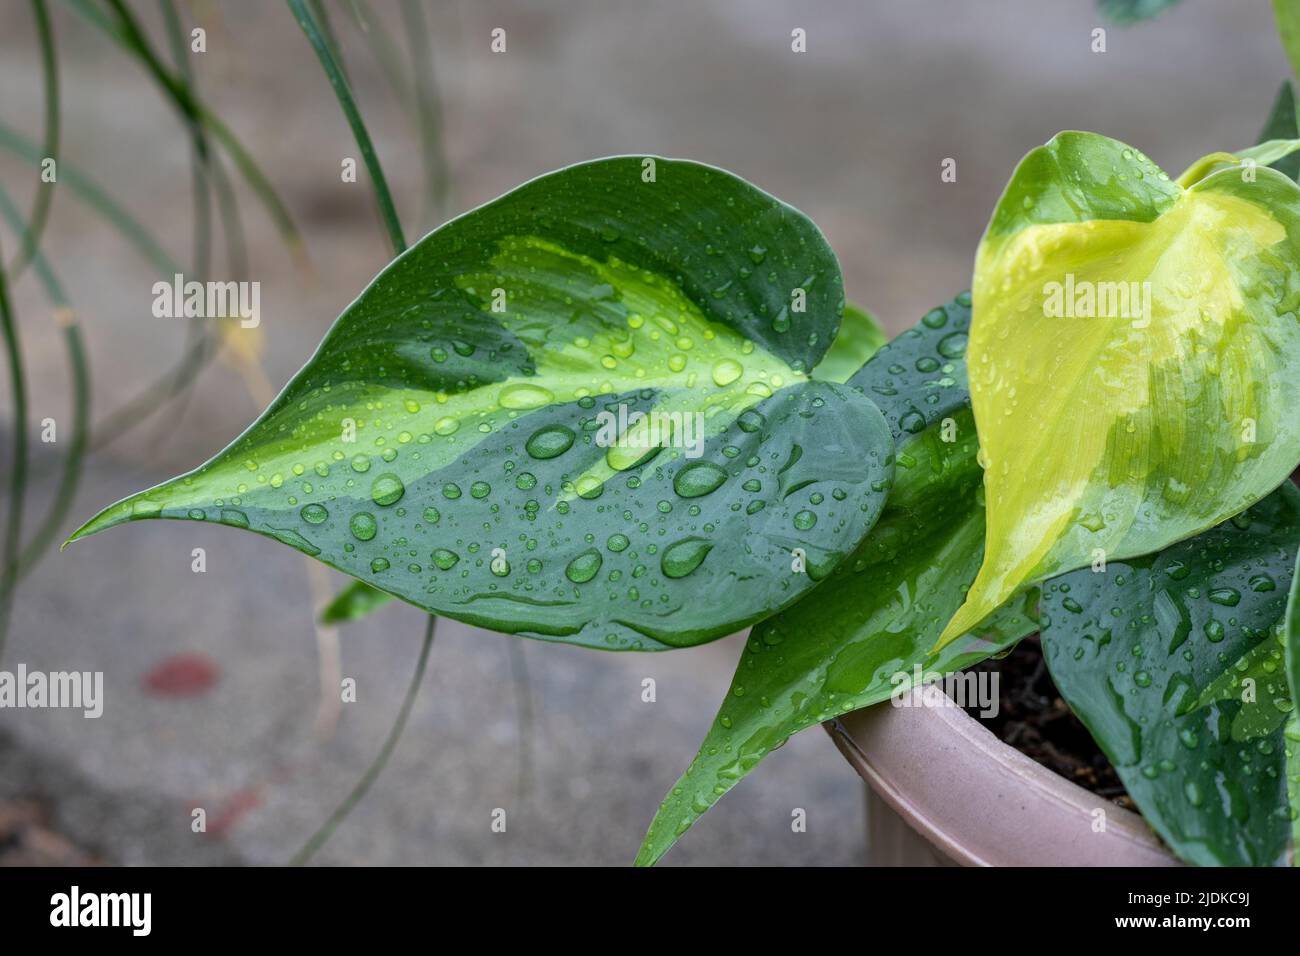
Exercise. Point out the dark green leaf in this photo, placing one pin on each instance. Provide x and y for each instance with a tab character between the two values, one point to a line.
919	378
1175	663
1282	125
480	371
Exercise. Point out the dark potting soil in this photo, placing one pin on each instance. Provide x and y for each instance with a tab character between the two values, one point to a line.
1033	718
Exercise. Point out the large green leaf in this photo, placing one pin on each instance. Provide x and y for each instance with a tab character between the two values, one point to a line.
1175	663
1134	356
485	483
857	641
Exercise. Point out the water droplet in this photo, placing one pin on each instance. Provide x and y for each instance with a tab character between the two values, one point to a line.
1228	597
379	564
805	520
698	479
584	567
953	346
446	425
935	318
313	513
549	442
683	557
363	526
387	489
617	542
524	396
751	421
444	559
726	371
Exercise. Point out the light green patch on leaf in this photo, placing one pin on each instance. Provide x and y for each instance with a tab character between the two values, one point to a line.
1134	357
354	602
1174	662
874	622
466	436
860	337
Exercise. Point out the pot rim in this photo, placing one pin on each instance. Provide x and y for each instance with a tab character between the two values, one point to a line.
1010	810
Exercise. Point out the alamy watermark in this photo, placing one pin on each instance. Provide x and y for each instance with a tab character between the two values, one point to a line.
1084	299
654	429
78	690
179	299
971	690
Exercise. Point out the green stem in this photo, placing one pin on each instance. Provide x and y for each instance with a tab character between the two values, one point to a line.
73	343
90	193
18	476
318	838
524	715
128	33
311	30
432	156
40	214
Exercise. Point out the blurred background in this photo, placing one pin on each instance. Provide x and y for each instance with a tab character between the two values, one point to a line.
212	681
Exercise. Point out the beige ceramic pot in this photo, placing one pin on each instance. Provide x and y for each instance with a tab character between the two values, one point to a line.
943	789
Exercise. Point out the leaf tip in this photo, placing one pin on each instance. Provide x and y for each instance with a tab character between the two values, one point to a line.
128	509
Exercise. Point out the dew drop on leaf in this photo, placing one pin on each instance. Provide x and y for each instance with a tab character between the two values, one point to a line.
363	526
698	479
387	489
682	557
584	567
549	442
726	371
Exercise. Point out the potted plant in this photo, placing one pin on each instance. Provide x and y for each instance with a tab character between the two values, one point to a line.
625	407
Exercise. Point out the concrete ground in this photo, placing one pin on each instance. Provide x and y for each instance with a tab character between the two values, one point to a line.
853	132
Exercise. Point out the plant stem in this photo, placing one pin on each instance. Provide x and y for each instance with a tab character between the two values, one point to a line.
524	716
18	476
73	343
128	33
44	191
318	838
388	212
432	155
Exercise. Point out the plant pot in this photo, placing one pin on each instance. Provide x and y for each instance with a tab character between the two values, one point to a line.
943	789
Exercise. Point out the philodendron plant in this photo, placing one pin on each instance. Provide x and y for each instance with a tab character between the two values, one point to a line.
626	407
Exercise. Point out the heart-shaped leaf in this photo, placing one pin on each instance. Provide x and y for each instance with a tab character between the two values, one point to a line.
1134	357
876	619
466	436
1175	663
